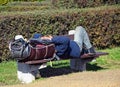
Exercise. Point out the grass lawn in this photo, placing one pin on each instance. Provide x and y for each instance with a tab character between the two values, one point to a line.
8	69
111	61
8	75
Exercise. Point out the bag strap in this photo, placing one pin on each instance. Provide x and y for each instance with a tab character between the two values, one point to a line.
46	49
24	47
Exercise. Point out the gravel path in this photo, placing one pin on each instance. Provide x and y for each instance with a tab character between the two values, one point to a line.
102	78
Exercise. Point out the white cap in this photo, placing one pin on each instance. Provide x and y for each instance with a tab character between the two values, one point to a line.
18	37
71	32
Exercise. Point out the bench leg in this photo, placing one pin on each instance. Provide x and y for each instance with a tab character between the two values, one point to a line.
27	73
77	64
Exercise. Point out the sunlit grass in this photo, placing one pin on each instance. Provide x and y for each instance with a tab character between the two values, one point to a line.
111	61
8	73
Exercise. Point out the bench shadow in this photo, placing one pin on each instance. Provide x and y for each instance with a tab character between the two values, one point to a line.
93	67
64	70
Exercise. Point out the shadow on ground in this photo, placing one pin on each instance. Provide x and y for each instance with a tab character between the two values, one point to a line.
57	71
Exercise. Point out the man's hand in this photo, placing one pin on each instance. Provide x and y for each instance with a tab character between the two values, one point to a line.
47	37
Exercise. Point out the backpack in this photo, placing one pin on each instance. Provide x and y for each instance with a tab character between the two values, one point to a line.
41	49
19	49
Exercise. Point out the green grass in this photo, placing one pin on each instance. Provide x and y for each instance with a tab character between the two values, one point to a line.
111	61
8	73
8	69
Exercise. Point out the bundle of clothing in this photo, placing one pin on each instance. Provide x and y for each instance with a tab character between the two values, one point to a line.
33	49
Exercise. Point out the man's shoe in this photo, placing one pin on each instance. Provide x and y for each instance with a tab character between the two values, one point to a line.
91	50
88	53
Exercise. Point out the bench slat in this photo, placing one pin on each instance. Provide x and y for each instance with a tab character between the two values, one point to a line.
97	54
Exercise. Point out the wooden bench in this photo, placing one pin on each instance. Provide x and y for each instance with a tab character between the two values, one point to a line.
32	67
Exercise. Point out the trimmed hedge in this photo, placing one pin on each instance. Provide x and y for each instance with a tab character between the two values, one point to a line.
25	6
4	2
82	3
102	24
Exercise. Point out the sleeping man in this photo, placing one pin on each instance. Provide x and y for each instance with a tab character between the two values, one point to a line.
70	48
65	47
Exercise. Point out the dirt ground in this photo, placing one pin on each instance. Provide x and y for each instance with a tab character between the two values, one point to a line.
102	78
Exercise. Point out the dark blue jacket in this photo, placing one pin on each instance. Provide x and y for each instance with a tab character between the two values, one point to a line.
65	46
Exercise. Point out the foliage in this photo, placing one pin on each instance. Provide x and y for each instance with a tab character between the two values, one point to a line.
102	24
3	2
25	6
82	3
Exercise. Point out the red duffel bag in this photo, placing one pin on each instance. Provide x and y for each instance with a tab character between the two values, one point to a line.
40	53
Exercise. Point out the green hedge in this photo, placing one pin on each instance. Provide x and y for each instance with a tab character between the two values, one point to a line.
82	3
5	2
25	6
102	24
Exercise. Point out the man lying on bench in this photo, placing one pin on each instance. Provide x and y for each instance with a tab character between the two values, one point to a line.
66	47
76	47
